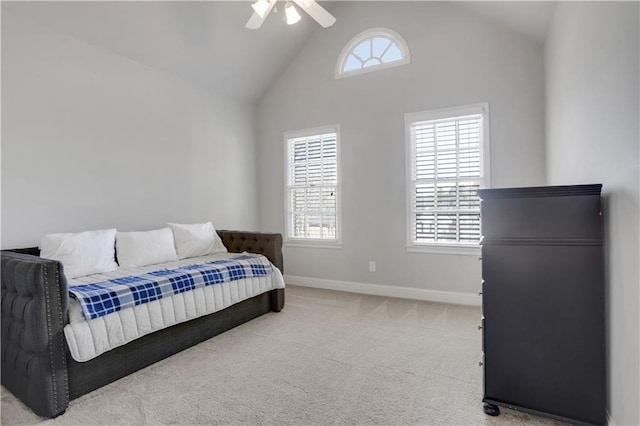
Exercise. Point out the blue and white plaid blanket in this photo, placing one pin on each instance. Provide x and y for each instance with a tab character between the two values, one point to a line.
106	297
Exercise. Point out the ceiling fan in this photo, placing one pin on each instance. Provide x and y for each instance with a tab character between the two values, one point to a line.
262	8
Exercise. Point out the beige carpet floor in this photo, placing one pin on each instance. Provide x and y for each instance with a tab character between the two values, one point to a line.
327	358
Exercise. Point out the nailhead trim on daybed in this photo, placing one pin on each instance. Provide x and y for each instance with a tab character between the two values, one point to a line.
33	354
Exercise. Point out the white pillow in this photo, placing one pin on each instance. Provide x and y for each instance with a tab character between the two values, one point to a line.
145	248
83	253
198	239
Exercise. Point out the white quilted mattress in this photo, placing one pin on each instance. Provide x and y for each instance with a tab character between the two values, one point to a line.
88	339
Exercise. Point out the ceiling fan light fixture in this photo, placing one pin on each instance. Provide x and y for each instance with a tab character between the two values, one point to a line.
261	7
292	14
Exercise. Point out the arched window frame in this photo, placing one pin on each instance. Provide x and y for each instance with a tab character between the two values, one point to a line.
369	34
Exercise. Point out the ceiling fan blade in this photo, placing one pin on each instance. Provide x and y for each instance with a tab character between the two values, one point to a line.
256	21
317	12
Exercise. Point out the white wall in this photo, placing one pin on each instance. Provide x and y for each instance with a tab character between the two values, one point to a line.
457	59
592	66
91	140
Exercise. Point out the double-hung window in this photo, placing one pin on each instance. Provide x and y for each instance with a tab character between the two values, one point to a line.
447	161
312	187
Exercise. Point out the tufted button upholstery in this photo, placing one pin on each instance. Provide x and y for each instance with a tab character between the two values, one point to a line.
268	244
34	312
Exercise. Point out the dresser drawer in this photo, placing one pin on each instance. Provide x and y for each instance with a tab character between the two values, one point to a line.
543	334
539	218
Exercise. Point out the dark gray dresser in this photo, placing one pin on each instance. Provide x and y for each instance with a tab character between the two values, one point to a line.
543	302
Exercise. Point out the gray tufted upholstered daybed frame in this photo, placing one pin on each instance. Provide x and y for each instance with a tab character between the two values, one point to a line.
36	364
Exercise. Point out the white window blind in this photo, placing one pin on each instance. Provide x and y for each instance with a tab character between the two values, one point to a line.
312	186
446	172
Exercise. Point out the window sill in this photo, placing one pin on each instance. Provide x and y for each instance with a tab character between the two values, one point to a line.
462	250
313	244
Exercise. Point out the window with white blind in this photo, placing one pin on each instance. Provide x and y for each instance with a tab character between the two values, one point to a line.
447	164
312	186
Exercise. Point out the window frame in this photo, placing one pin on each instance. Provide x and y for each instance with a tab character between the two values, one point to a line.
485	172
290	240
370	33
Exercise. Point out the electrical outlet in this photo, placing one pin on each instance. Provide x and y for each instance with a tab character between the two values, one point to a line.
372	266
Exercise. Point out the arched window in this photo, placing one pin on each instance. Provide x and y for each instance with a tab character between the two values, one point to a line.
372	50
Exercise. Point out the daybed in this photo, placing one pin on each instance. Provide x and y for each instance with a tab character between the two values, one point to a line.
36	363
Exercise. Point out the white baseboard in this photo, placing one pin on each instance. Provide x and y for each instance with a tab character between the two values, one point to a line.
453	297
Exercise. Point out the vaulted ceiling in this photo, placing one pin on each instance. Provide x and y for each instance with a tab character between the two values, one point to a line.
205	41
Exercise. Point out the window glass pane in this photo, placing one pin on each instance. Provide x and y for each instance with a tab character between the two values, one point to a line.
446	135
446	195
469	162
371	62
380	44
425	165
314	174
425	196
329	227
425	227
469	133
447	227
314	229
299	175
352	63
298	200
392	54
300	151
446	165
329	174
329	147
299	225
470	227
425	136
313	150
313	200
363	50
468	195
328	200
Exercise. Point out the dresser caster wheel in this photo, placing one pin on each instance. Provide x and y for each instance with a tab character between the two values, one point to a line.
490	409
